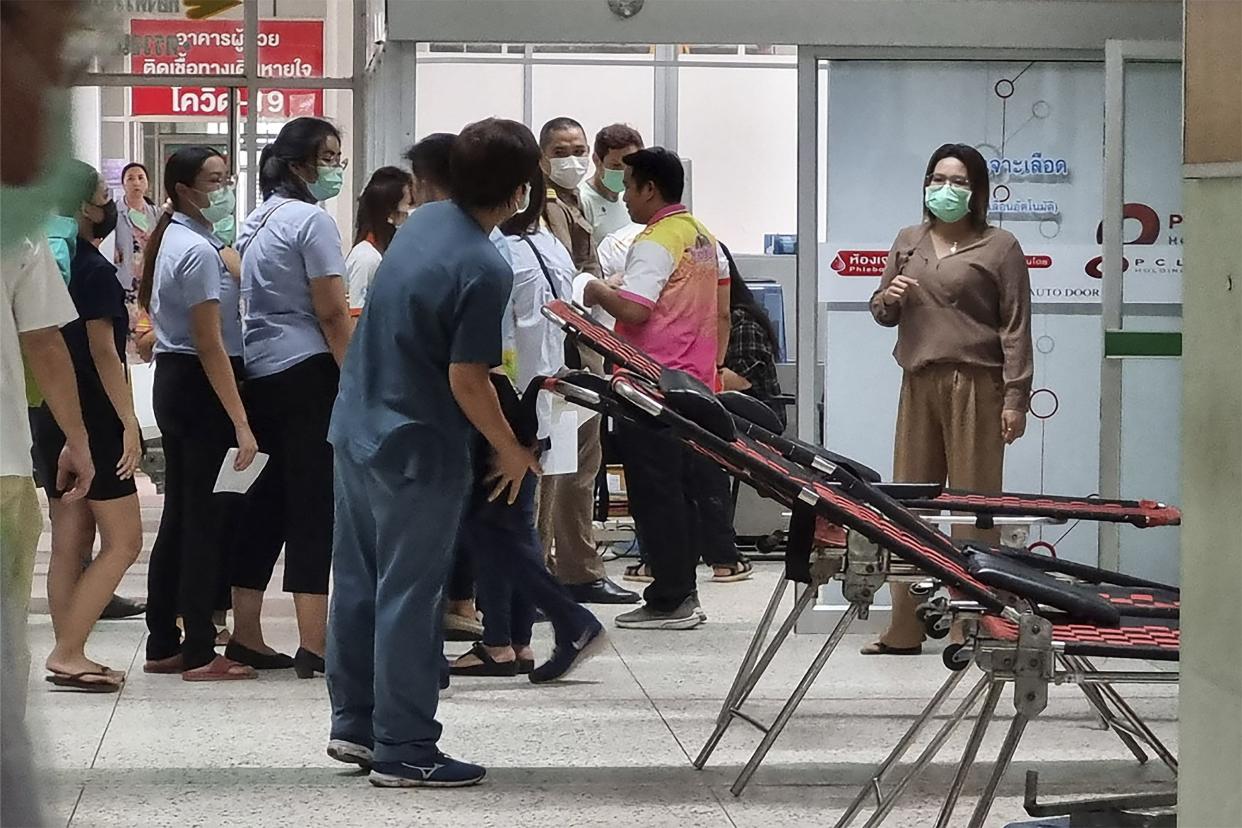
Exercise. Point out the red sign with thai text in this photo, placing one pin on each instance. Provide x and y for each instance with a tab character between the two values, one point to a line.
287	49
872	262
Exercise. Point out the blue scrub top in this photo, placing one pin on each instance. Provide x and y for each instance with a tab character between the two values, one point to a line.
188	272
437	299
285	244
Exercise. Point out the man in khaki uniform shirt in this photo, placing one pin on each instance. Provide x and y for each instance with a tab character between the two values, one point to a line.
567	501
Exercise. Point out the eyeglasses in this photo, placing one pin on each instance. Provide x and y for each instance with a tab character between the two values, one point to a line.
955	180
333	161
227	181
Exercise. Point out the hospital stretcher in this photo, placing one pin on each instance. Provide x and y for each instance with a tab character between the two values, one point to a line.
1029	620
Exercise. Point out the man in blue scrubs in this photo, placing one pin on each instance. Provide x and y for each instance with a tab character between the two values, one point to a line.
413	387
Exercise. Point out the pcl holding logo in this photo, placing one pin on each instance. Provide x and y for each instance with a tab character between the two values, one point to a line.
1149	234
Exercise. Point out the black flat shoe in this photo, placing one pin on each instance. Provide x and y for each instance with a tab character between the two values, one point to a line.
489	666
253	658
524	666
119	607
603	591
306	664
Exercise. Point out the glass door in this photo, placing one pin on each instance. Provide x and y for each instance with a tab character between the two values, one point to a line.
1141	272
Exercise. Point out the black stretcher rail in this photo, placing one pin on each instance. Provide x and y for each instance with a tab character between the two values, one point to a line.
1141	513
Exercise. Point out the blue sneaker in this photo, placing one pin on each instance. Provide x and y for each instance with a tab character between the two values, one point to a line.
568	657
439	771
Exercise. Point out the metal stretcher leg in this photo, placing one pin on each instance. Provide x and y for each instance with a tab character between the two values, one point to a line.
885	807
982	721
782	718
901	747
1140	727
1008	748
1108	720
743	673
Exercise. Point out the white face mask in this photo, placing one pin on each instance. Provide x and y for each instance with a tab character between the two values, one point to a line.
569	171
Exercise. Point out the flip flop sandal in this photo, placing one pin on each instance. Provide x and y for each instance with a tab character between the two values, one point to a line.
740	571
78	682
524	666
488	667
880	648
220	669
639	573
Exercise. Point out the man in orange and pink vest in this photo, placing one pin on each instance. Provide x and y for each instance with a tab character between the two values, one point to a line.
673	303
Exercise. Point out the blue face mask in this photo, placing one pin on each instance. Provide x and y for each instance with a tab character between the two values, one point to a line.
328	185
24	209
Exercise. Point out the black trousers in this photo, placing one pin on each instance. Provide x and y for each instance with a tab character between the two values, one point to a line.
680	504
461	578
191	555
290	506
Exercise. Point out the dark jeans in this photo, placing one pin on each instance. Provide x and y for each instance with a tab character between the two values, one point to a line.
680	503
510	574
191	555
461	579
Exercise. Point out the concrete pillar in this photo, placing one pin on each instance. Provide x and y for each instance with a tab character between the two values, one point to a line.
1210	785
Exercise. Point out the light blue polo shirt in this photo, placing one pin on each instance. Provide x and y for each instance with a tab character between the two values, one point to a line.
188	272
284	244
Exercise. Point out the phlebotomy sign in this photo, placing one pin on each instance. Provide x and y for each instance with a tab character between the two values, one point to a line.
287	49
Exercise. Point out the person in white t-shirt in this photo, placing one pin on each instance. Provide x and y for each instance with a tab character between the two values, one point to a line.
600	195
34	304
384	205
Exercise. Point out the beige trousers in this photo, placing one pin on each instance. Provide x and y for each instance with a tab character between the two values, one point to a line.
567	505
948	430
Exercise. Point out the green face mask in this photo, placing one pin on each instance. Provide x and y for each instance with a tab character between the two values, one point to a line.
614	180
226	229
138	218
328	184
947	203
25	209
220	205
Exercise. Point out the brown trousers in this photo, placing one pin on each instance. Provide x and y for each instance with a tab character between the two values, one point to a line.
948	429
567	504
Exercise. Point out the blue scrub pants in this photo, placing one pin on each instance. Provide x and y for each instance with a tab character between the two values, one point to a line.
392	550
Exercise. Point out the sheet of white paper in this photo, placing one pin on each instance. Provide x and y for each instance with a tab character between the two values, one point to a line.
562	458
600	315
240	482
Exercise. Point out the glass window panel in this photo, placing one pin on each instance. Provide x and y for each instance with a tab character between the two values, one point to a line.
596	96
451	95
738	127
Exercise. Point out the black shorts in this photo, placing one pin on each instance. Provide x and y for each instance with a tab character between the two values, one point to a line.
106	436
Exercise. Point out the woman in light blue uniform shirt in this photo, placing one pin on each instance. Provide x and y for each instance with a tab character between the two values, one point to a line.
295	326
192	299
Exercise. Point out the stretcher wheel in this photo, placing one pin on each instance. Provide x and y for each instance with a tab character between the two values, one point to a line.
956	657
934	617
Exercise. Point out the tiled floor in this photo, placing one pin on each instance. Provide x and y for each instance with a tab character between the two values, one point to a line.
610	748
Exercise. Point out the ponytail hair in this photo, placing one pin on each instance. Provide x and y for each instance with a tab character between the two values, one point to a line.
183	167
299	142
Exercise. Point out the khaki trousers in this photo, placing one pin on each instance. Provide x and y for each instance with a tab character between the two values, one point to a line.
21	523
567	504
948	430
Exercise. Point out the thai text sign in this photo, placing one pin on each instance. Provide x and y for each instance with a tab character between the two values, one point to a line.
287	49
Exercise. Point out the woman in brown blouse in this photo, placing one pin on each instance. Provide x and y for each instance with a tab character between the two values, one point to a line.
958	292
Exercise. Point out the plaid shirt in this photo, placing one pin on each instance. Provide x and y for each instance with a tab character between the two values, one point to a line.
750	356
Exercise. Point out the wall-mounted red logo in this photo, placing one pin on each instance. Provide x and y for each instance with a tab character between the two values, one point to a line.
860	262
1149	233
1038	262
